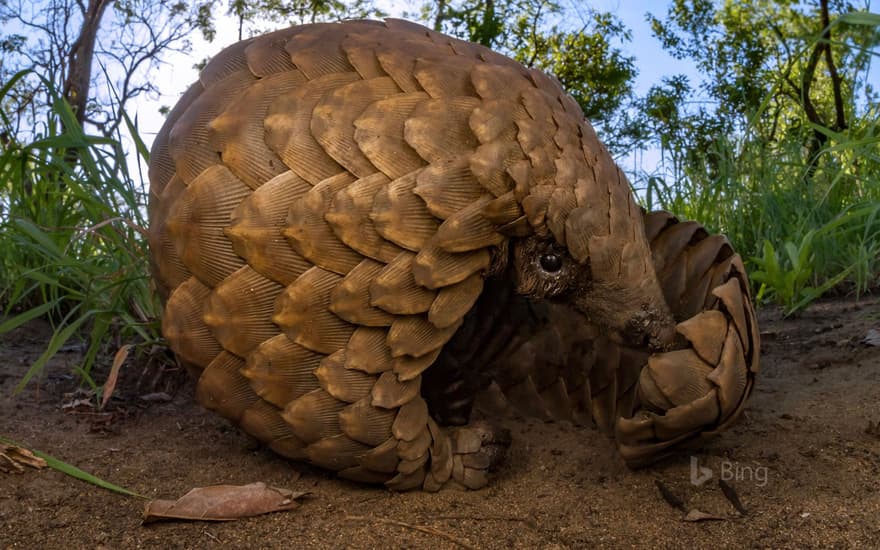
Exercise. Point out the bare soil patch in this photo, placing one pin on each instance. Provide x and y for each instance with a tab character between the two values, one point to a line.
804	460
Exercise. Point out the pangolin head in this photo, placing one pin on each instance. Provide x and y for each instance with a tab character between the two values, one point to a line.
633	311
601	266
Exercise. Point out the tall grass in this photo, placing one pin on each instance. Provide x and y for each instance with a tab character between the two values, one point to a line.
72	248
803	224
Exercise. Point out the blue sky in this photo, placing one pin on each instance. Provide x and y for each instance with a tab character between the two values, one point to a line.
652	61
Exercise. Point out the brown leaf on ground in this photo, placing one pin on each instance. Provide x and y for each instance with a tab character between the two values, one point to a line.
223	503
13	459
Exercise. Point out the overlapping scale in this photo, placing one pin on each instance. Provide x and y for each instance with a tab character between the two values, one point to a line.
438	129
368	351
263	421
311	236
314	416
188	139
434	267
222	389
280	370
401	216
349	214
166	266
317	52
333	121
347	385
366	423
288	128
338	452
239	311
256	226
183	326
454	301
379	133
265	55
162	167
448	186
237	132
303	313
197	221
351	298
395	290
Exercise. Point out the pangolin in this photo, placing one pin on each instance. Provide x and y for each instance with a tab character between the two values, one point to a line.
358	227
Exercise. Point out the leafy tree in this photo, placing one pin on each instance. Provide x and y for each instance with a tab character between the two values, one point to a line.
775	69
776	146
257	17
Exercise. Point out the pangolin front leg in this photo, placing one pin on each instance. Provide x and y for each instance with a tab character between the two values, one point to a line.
330	203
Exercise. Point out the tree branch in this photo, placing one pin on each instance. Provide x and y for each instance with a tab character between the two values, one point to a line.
806	84
836	84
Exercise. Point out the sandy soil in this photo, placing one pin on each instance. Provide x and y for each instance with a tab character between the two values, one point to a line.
805	461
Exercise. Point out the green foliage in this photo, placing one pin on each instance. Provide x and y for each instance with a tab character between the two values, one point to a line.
781	157
787	280
257	17
71	243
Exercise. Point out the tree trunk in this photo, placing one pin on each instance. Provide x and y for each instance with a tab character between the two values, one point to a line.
79	61
823	46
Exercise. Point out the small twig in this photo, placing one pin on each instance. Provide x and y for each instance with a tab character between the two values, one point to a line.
669	497
212	537
421	528
484	518
730	494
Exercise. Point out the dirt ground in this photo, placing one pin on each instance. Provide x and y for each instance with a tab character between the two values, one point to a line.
804	460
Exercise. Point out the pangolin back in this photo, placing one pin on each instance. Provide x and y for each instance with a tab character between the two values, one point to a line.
325	204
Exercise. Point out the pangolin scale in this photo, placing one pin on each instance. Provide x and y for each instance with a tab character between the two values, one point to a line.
362	228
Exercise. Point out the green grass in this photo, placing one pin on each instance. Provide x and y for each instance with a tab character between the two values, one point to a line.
72	247
803	225
822	229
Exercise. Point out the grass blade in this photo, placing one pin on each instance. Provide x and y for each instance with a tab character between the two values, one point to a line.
22	318
75	472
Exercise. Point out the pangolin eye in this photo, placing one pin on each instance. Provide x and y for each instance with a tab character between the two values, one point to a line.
551	263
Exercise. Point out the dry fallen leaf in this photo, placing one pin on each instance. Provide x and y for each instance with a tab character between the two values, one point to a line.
872	338
110	384
223	503
13	459
699	515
